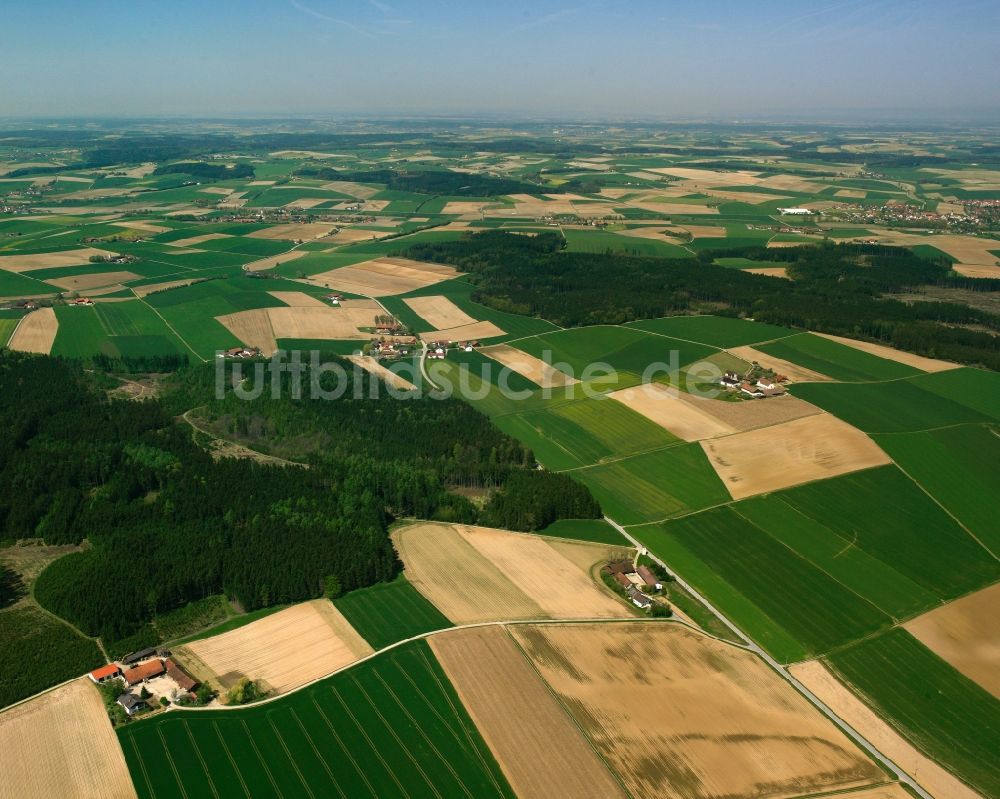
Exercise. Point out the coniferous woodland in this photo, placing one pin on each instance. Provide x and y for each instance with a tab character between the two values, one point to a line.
843	289
165	523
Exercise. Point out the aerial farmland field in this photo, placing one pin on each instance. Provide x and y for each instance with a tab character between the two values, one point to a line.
715	331
390	726
836	360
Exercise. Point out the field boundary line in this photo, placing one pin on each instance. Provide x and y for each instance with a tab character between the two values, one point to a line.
201	758
232	761
170	761
288	754
319	757
142	764
171	329
263	762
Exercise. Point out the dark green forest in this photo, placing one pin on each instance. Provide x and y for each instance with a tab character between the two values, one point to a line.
167	524
202	169
842	289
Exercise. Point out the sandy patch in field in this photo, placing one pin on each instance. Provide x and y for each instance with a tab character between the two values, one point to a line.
668	408
471	332
307	154
891	791
284	650
790	453
367	206
93	194
92	281
145	291
769	271
140	171
792	183
50	260
307	202
966	633
439	311
252	328
61	744
676	713
261	183
932	777
195	240
382	277
653	232
706	231
521	722
347	235
217	190
794	372
387	376
351	189
535	369
475	574
852	194
272	261
710	176
950	208
299	299
36	332
781	245
145	227
294	231
191	211
916	361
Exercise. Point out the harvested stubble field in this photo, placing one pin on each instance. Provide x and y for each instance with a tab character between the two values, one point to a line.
681	414
674	712
50	260
36	333
541	752
476	330
387	376
791	453
262	327
535	369
475	574
299	299
264	264
392	726
281	651
881	351
381	277
61	745
792	371
966	633
934	779
294	231
439	311
193	241
92	281
348	235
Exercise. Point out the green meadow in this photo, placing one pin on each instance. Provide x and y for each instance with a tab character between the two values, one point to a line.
389	612
836	360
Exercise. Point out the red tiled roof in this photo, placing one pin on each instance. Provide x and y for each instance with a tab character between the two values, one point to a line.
151	668
105	671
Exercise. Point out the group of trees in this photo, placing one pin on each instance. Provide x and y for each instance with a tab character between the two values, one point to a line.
207	171
842	289
167	524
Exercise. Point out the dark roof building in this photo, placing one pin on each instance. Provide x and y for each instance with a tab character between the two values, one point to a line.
131	703
142	654
184	680
143	672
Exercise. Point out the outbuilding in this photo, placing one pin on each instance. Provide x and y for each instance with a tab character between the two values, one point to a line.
131	703
105	673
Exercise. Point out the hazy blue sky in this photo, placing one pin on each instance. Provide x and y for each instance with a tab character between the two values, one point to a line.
672	58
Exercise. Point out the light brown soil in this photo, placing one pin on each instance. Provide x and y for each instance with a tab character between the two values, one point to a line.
439	311
265	264
216	190
916	361
770	271
676	713
61	744
465	207
321	323
671	410
36	332
348	235
790	453
307	202
50	260
966	633
294	231
794	372
370	364
358	190
853	194
145	227
535	369
557	584
299	299
368	206
938	782
538	748
475	331
282	651
891	791
706	231
195	240
710	176
149	288
674	208
252	328
382	277
92	281
973	270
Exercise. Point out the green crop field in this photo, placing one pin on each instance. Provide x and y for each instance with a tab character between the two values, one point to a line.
628	351
900	406
602	241
389	612
715	331
836	360
596	531
977	389
7	328
940	710
13	284
655	485
126	328
392	726
491	371
955	465
796	595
